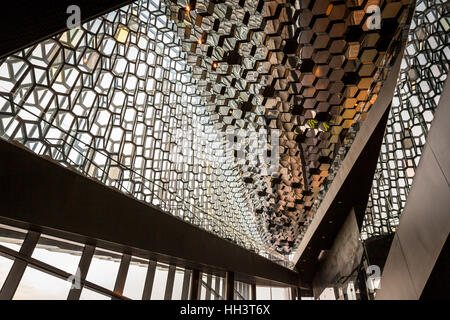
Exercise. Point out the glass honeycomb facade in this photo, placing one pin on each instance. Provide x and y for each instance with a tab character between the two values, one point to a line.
424	69
110	99
169	101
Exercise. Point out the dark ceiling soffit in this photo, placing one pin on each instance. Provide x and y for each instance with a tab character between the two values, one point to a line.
351	185
29	22
40	194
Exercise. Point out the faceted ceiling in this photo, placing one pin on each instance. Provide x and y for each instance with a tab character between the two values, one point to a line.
310	69
126	95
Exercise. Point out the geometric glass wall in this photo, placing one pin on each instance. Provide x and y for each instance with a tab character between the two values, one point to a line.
423	73
140	99
115	100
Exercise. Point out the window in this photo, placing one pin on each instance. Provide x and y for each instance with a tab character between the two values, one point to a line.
159	283
137	273
5	266
87	294
12	237
178	284
104	268
38	285
62	254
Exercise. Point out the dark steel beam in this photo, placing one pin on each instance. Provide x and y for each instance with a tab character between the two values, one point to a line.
149	278
169	283
122	274
229	286
83	267
18	268
194	295
253	291
294	293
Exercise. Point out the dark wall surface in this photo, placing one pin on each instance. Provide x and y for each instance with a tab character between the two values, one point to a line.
27	22
338	263
425	222
438	283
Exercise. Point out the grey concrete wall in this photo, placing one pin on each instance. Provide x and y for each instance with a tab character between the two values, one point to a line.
425	222
340	261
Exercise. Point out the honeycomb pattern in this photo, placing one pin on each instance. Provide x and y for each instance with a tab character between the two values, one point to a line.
110	99
422	77
126	96
310	69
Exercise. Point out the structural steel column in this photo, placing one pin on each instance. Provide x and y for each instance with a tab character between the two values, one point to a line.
186	282
146	295
253	289
294	294
83	267
122	274
361	280
229	285
195	285
169	283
